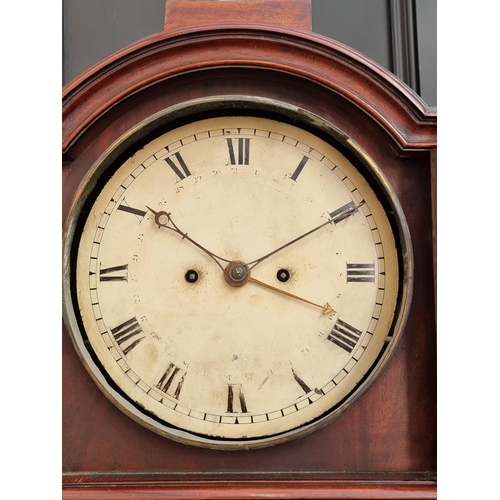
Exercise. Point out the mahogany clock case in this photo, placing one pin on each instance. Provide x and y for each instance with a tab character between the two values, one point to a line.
390	433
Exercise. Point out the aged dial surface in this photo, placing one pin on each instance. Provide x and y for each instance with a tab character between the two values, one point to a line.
237	279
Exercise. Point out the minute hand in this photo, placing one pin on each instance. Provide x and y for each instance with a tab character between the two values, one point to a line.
349	210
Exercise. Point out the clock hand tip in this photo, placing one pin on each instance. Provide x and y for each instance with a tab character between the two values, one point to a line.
328	309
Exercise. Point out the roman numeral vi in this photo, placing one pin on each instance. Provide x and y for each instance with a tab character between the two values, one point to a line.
235	399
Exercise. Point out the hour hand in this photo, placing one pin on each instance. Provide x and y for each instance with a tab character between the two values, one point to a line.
164	219
161	218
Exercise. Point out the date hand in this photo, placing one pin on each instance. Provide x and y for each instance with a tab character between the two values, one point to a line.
326	308
164	219
336	217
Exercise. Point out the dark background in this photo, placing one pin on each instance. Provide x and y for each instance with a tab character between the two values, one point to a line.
401	35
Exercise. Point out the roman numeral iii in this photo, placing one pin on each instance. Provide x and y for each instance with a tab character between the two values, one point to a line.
360	273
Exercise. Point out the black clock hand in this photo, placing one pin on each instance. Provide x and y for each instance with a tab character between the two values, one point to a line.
163	219
347	212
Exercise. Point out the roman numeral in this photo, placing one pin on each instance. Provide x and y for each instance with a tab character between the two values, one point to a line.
177	169
235	399
128	331
239	151
343	212
131	210
299	168
361	273
172	381
116	273
299	381
344	335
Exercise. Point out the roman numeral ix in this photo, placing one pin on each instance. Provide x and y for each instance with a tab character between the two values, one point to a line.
115	273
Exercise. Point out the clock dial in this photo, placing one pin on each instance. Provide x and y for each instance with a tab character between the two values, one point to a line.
237	278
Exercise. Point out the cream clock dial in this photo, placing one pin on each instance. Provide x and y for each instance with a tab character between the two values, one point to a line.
238	278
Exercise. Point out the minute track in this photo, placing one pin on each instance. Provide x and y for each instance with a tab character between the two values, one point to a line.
199	350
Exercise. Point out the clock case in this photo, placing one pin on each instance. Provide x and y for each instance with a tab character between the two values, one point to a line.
386	442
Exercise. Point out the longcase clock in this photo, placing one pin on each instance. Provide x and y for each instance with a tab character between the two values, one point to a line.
248	266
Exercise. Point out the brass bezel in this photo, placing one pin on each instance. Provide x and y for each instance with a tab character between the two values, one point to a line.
235	104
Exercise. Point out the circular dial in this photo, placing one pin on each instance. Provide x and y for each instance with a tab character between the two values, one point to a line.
237	279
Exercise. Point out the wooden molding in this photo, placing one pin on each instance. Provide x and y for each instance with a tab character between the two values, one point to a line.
307	56
248	491
183	13
434	219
